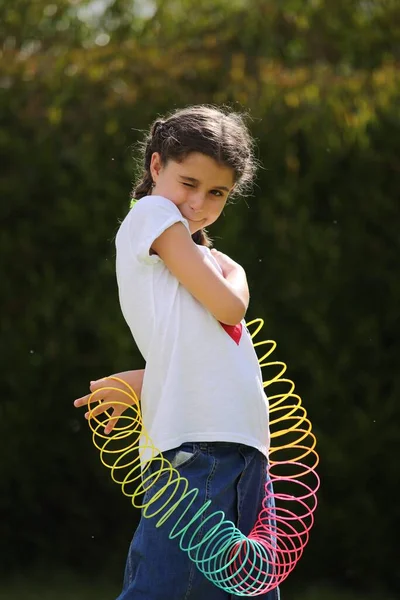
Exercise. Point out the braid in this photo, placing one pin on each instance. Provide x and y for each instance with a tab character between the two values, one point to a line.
143	188
153	143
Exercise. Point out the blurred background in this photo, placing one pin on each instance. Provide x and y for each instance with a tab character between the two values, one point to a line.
80	81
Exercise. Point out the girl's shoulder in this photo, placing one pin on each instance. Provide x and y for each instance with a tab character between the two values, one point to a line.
149	203
147	219
153	212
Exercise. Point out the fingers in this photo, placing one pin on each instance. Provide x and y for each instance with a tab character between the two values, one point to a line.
100	408
94	387
110	425
114	419
85	399
82	401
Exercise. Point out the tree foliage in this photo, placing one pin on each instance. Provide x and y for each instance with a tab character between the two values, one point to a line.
319	241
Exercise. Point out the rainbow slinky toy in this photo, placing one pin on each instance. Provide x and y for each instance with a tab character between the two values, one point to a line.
242	565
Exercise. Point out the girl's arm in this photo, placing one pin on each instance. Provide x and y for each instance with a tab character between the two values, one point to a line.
224	295
233	273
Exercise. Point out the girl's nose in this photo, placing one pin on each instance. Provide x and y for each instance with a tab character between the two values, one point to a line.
196	202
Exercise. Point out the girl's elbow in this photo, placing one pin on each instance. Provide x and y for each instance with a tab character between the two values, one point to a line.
235	314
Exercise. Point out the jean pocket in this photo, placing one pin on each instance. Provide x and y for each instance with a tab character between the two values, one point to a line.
183	456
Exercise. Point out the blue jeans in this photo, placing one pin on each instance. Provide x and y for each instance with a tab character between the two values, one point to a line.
233	477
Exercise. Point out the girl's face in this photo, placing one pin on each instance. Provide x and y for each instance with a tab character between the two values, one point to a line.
198	186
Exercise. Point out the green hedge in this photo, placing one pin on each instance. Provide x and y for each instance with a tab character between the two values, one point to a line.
319	240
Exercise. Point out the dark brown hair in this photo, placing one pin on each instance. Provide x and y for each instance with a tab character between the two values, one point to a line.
216	132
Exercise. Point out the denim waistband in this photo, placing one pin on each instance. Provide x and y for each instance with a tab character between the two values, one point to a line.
209	446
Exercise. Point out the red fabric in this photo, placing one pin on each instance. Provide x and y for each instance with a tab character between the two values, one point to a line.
234	331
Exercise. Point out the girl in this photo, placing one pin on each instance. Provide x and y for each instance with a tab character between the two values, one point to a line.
201	392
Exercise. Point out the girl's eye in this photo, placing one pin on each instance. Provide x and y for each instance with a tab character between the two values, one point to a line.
216	193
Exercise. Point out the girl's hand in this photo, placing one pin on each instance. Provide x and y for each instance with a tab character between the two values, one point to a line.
227	264
112	398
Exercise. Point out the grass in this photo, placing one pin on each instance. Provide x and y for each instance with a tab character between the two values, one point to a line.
67	586
57	586
329	593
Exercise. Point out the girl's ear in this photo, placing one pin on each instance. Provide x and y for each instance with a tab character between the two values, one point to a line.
155	165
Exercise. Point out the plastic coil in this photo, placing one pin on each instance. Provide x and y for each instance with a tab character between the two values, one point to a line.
242	565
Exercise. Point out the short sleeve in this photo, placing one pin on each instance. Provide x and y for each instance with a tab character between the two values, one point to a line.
148	219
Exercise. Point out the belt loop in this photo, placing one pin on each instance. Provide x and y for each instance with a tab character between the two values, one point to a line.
203	446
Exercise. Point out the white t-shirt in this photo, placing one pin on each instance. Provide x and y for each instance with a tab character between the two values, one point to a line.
200	385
